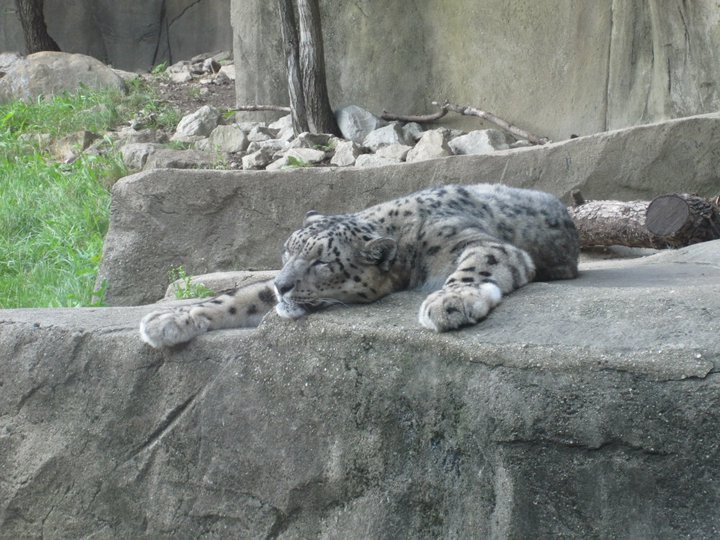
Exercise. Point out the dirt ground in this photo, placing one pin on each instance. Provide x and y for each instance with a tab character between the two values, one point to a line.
189	96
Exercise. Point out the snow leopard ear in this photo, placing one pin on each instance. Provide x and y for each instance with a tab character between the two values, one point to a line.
311	217
380	251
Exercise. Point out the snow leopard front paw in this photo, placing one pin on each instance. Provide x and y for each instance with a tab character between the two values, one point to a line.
452	308
167	327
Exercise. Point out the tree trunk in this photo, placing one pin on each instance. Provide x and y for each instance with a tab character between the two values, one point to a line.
669	221
32	20
312	67
292	56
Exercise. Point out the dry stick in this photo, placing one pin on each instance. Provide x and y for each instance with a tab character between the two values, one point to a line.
467	111
415	118
253	108
490	117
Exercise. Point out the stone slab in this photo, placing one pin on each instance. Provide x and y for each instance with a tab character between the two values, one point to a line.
584	408
211	221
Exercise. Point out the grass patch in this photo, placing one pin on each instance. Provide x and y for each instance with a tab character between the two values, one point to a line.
186	288
54	216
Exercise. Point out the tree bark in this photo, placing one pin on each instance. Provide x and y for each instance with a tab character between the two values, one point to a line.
637	223
32	21
292	57
320	117
614	223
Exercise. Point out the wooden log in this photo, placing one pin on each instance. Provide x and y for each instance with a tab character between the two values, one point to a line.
669	221
681	219
614	223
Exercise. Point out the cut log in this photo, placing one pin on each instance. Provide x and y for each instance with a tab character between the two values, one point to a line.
669	221
682	219
613	223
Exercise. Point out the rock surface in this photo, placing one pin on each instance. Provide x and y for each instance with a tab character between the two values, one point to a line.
384	136
431	145
201	123
481	141
356	123
227	209
52	73
596	416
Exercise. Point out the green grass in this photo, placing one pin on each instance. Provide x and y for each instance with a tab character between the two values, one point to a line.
54	216
186	288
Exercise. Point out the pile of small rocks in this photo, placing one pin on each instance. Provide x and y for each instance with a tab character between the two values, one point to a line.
367	141
205	138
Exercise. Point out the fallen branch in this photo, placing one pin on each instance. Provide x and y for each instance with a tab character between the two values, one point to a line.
490	117
254	108
467	111
420	118
668	221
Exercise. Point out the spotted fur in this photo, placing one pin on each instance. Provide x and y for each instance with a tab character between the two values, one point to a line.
465	245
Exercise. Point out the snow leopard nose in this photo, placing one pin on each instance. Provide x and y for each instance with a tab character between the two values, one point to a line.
284	285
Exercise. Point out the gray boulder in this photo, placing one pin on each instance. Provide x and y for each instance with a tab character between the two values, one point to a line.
7	60
412	132
281	123
346	152
279	164
261	133
306	155
259	159
311	140
433	144
396	152
355	123
135	155
48	74
275	145
482	141
384	136
197	124
285	128
228	139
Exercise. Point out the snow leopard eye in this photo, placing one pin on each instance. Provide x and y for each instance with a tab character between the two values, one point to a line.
322	268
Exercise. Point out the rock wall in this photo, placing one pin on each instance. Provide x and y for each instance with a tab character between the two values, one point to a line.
556	67
578	409
129	35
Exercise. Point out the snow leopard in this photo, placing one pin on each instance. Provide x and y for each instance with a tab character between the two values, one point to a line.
466	246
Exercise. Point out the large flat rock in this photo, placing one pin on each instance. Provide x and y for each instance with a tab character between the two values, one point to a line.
578	409
212	221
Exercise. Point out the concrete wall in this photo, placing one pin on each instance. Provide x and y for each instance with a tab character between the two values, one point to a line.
128	34
557	67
